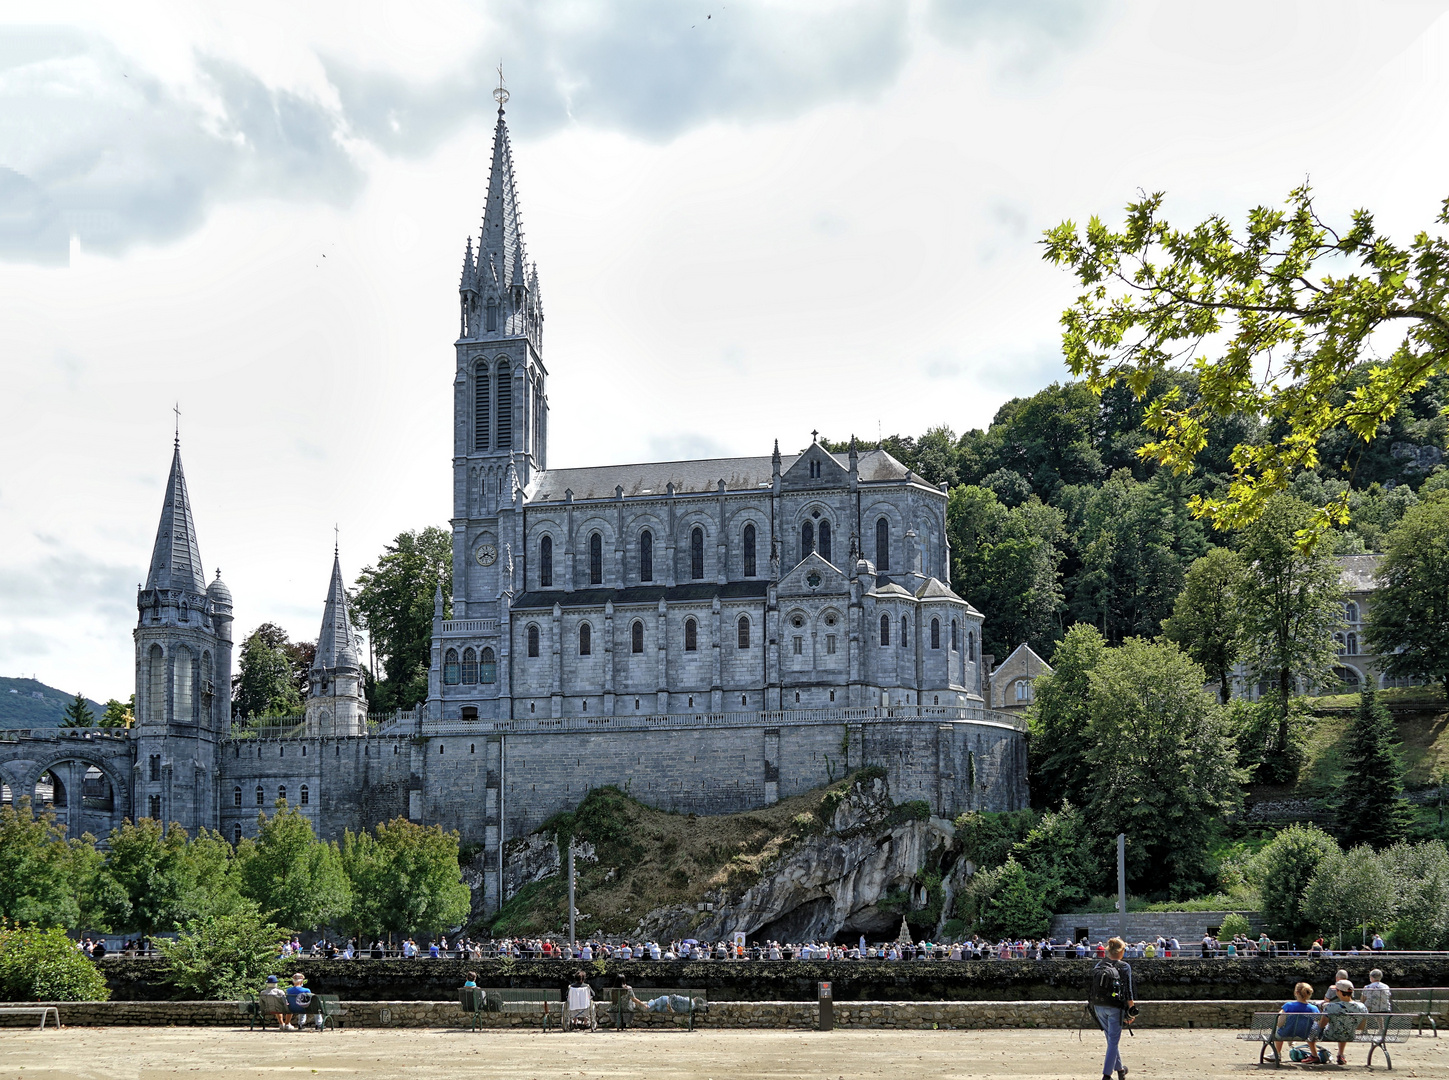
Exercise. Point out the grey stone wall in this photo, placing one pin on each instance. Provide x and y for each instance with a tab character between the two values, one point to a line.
1187	926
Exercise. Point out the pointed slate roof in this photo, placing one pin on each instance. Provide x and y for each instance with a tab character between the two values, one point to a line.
175	560
501	256
336	645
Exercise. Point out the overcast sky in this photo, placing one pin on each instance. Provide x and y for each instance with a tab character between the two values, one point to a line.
750	219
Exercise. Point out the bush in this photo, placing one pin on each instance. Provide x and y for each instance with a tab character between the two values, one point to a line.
222	957
1233	925
45	965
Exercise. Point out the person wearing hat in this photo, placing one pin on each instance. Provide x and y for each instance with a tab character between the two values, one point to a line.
274	1003
1343	1017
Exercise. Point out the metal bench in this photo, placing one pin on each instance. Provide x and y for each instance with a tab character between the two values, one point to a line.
31	1010
1421	1003
547	1004
698	1002
1375	1029
471	1000
331	1010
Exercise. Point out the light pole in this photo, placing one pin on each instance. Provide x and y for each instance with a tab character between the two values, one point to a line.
572	939
1122	885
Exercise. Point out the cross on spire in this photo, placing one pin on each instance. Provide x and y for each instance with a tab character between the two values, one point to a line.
177	410
501	95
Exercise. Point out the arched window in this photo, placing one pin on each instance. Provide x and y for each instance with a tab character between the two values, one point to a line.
156	686
882	545
807	539
935	633
235	835
1350	612
885	629
480	403
636	636
236	795
971	645
586	639
1342	645
450	668
487	667
302	796
825	541
904	641
545	562
470	667
744	632
749	545
691	636
1023	690
696	553
504	440
1352	644
646	556
184	676
596	559
955	641
533	640
281	792
261	798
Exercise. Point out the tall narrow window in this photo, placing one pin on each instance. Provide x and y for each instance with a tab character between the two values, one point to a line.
480	405
236	835
971	645
646	556
807	539
935	633
691	636
596	559
744	632
155	768
825	541
302	796
885	629
236	795
882	545
955	641
636	637
156	686
696	553
487	667
533	641
1352	644
904	641
491	315
470	667
155	803
281	792
586	640
545	562
261	796
504	441
451	672
749	545
182	668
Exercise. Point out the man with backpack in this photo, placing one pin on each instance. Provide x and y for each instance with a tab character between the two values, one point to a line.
1113	1004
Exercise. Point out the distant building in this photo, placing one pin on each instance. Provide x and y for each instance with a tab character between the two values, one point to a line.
1013	681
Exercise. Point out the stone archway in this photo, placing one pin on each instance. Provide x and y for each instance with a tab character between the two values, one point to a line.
86	792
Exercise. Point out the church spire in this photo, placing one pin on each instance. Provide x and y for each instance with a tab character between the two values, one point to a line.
175	560
336	643
501	242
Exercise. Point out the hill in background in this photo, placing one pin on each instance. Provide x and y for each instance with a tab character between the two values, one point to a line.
30	703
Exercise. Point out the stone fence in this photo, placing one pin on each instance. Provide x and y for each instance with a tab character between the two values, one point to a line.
1187	926
801	1015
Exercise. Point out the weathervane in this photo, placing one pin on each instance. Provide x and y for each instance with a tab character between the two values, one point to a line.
501	94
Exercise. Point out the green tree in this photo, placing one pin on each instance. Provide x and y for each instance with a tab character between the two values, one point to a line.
78	713
1290	605
1205	618
291	874
395	601
1409	614
1371	808
1271	746
1017	907
1350	890
146	863
1064	857
1283	869
1058	719
405	878
1274	322
117	714
38	868
222	956
265	683
44	965
1162	762
1421	873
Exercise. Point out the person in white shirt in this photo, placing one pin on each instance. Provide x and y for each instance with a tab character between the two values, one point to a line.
654	950
587	952
580	1003
1376	993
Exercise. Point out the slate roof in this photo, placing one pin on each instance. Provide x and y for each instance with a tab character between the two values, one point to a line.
641	594
691	477
336	643
1358	573
175	559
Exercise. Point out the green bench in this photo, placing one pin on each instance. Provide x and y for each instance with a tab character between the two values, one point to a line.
620	1009
1375	1029
1421	1003
328	1006
513	1001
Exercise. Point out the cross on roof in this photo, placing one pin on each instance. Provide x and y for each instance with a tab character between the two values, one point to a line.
815	436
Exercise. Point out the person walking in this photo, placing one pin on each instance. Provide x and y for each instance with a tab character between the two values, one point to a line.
1113	1003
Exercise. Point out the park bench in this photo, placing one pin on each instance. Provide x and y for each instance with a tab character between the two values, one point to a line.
32	1010
547	1004
619	1010
1375	1029
1421	1003
330	1006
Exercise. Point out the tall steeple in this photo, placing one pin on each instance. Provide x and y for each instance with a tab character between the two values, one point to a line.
336	704
175	559
336	639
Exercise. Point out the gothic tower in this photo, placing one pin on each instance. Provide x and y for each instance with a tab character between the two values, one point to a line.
183	672
336	702
500	419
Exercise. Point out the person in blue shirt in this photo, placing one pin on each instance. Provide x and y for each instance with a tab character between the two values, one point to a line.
299	1001
1293	1027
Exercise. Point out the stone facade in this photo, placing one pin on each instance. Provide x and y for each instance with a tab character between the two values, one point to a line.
1013	680
710	636
1187	926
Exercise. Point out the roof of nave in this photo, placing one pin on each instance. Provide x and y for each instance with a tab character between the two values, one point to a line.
176	560
1358	573
691	477
641	594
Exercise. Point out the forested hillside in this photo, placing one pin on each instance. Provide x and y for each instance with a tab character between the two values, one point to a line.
1054	519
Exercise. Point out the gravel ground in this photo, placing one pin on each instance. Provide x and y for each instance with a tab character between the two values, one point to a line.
127	1053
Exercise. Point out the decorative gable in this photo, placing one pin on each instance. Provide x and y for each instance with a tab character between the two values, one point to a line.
814	577
814	469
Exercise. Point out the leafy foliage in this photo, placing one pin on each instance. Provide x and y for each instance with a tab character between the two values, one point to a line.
268	682
404	877
1269	322
45	876
1409	617
1350	889
119	714
1371	806
45	965
223	956
395	601
289	873
1057	752
1206	620
1285	868
1233	924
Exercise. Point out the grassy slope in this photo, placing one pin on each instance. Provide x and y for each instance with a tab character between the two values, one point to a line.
649	858
1423	733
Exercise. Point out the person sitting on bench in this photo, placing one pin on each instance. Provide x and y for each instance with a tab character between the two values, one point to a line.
1345	1017
580	1003
273	1002
1296	1028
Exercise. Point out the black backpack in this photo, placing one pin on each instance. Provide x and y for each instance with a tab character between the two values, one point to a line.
1105	987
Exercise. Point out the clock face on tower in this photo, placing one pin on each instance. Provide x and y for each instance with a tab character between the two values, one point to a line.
486	554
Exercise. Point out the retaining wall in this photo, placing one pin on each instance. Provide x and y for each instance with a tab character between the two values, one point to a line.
1187	926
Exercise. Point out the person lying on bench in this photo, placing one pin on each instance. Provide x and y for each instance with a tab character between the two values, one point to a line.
1296	1028
667	1003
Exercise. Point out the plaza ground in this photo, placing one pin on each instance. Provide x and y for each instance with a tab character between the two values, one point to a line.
143	1054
